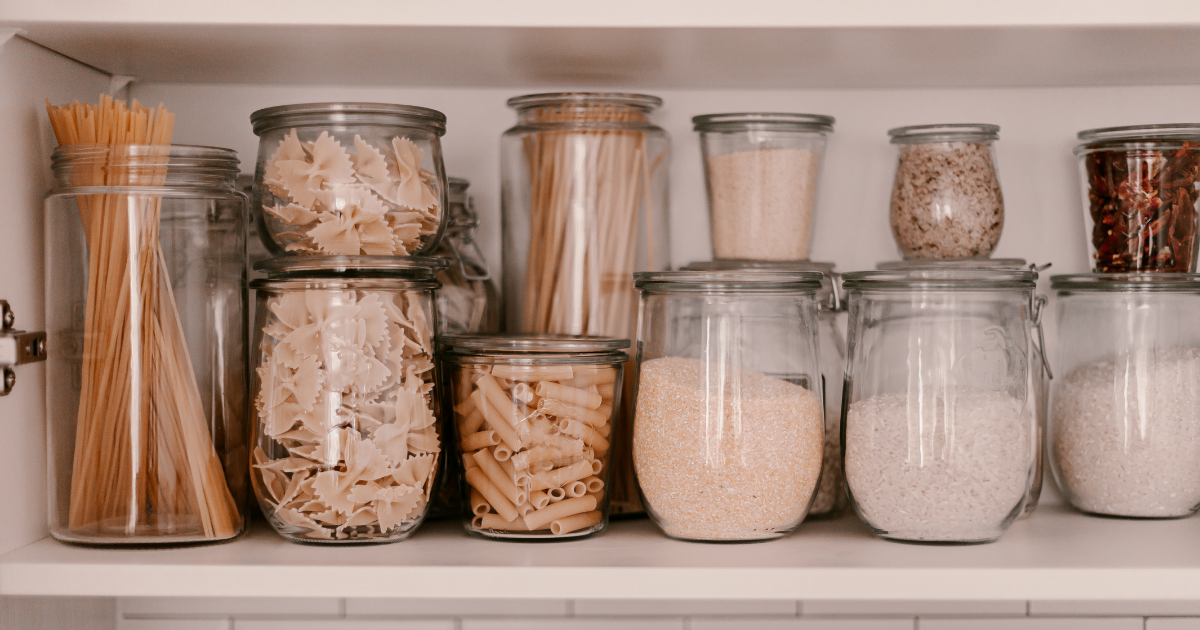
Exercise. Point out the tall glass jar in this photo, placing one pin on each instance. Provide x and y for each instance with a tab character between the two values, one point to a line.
469	301
946	200
761	171
728	431
348	179
146	323
831	338
1125	420
940	422
584	205
347	443
1140	197
534	418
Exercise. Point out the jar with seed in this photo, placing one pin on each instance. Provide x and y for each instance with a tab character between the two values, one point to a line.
534	418
946	200
347	444
728	428
349	179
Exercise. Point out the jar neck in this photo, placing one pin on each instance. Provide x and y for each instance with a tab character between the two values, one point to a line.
583	108
144	165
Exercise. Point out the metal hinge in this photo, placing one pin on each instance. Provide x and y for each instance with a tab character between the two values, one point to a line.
17	347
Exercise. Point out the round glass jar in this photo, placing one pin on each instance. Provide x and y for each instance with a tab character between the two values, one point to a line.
145	388
940	421
347	443
1139	197
469	301
946	200
534	418
1125	414
761	171
831	337
728	432
348	179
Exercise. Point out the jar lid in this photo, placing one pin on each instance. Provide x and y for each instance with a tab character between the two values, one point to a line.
139	165
951	279
953	263
1127	282
326	114
644	102
531	346
401	267
742	264
733	281
767	121
1140	133
461	215
967	132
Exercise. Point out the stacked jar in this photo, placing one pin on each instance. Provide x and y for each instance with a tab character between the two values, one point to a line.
468	301
347	443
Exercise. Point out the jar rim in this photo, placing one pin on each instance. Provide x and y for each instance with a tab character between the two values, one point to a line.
526	344
746	264
732	281
954	132
343	283
178	155
1139	133
319	114
400	267
1126	282
644	102
950	279
952	263
770	121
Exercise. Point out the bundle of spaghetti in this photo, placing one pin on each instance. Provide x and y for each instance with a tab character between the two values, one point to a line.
144	463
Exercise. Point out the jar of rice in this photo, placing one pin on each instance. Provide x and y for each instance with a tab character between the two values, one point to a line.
728	424
1125	416
942	372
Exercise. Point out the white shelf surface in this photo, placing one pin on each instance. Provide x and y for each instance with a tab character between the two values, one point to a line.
1055	555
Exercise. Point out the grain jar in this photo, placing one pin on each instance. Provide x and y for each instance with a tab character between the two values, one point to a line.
728	430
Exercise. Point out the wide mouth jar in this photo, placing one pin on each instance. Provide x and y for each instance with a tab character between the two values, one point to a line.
965	132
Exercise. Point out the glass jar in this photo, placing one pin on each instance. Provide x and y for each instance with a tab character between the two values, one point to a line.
831	338
940	420
946	200
1125	418
534	416
468	301
1139	197
761	171
347	445
146	380
728	432
345	179
584	177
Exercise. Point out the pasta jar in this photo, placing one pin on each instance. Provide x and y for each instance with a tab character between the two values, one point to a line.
348	179
831	338
1125	419
146	323
1139	197
728	429
761	172
946	200
347	442
534	418
940	420
468	301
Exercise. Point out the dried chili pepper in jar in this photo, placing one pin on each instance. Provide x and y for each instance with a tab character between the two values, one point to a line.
1140	197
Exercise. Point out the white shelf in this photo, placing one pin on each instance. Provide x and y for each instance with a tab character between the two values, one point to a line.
1057	554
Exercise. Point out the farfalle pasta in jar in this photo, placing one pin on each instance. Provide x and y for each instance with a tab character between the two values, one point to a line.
534	421
347	440
349	179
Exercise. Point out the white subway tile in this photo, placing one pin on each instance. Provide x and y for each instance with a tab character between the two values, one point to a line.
682	607
455	607
1173	623
344	624
593	623
716	623
227	606
1028	623
1115	607
893	608
173	624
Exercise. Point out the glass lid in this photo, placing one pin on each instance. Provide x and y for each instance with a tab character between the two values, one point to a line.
973	279
531	344
769	121
1126	282
728	280
1139	133
969	132
953	263
408	267
319	114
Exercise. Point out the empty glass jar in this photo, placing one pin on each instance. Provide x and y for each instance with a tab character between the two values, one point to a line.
468	301
728	432
1125	420
348	179
940	420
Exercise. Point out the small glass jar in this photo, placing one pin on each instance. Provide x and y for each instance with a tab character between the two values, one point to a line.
347	443
946	200
534	418
940	418
348	179
831	321
728	431
761	171
1139	197
469	301
146	388
1125	415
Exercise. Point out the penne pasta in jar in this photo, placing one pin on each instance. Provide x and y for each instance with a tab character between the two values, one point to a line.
541	409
